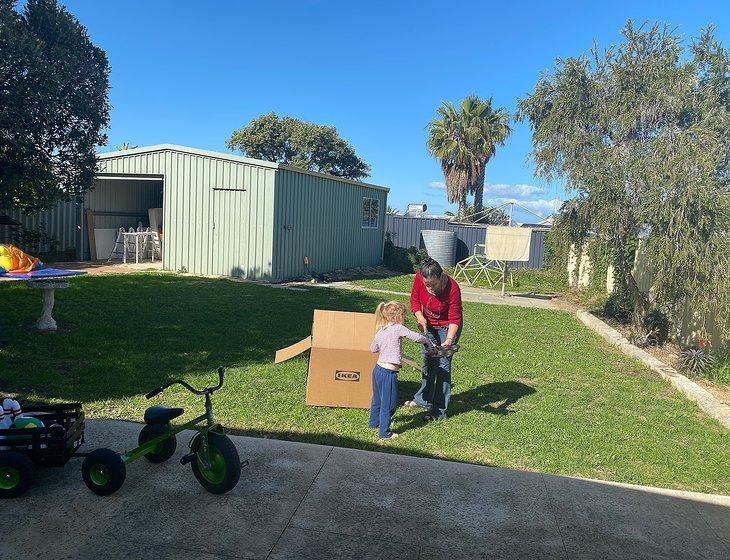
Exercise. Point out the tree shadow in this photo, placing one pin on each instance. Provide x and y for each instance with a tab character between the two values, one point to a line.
491	398
121	335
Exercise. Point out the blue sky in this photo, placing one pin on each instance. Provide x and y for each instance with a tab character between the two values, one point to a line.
190	73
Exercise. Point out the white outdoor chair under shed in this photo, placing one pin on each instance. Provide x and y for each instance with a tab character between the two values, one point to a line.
227	215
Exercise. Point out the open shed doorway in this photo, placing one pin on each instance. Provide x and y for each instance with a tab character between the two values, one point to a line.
120	201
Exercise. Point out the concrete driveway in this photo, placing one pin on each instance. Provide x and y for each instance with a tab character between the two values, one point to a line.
309	501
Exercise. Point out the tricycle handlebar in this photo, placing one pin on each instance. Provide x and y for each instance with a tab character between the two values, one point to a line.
207	390
154	392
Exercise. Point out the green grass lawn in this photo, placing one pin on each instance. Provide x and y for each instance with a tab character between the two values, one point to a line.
532	388
525	280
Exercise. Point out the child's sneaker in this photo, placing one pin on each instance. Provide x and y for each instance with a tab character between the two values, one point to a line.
391	435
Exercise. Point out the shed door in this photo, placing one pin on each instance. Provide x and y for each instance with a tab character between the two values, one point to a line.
230	233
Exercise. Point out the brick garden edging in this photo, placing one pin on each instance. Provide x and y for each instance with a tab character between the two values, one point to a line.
706	401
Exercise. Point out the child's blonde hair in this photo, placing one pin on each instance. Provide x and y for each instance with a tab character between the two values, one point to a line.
389	312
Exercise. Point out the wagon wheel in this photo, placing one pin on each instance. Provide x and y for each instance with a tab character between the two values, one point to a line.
16	474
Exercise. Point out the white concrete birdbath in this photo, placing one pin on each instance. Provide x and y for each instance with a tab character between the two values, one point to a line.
47	322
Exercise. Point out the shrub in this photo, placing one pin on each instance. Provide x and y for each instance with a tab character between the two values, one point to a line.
416	257
695	361
399	259
656	326
619	306
35	240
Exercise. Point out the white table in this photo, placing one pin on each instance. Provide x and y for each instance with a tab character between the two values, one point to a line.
140	239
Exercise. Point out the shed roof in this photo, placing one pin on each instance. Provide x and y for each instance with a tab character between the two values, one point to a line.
230	157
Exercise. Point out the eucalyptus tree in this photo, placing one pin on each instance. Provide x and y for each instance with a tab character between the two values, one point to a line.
641	132
464	139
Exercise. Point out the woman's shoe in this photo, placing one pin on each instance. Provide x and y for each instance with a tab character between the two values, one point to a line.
414	404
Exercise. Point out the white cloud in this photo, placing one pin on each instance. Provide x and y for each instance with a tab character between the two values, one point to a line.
437	185
518	191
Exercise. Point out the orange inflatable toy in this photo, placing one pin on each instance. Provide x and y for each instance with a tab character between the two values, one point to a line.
13	259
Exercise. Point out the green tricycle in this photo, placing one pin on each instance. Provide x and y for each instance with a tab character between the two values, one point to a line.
213	457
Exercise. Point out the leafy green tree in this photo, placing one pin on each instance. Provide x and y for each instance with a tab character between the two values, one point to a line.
465	139
54	86
299	143
641	132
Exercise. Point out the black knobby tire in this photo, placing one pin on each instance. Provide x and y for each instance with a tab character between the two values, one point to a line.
225	469
103	471
16	474
165	449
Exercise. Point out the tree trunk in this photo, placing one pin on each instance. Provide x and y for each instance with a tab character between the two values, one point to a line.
479	193
641	303
462	207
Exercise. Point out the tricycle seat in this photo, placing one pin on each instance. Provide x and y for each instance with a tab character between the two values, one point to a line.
161	414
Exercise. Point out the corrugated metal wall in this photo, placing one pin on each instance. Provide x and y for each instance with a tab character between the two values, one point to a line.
406	232
189	211
63	223
321	218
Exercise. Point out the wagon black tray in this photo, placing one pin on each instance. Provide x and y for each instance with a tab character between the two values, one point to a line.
47	446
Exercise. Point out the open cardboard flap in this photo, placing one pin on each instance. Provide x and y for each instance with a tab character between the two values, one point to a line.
294	350
341	363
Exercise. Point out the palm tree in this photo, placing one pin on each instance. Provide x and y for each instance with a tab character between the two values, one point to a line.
464	139
126	146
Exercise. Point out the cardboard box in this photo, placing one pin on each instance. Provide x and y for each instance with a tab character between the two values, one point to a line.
340	364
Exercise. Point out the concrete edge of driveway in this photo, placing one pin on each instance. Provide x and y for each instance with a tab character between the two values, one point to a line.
704	399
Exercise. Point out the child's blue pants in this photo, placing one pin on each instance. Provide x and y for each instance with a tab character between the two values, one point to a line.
385	394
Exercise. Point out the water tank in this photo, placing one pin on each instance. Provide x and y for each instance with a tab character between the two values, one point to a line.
440	246
416	209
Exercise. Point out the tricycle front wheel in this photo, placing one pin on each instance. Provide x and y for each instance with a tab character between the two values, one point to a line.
103	471
225	465
16	474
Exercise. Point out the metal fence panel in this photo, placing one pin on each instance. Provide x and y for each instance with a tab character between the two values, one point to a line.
405	231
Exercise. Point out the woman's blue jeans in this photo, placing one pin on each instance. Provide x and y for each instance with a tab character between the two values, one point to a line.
435	390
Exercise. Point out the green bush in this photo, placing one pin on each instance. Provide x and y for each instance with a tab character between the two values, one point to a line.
394	258
399	259
656	325
416	256
720	368
619	306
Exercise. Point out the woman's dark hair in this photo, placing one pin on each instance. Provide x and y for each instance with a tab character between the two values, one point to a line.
431	269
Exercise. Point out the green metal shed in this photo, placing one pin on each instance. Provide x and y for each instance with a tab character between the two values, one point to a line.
228	215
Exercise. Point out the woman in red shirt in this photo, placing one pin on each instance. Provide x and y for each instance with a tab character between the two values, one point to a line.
436	303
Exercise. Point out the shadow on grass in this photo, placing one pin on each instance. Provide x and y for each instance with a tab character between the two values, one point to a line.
122	335
492	398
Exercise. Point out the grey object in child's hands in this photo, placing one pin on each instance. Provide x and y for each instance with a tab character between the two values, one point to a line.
441	352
